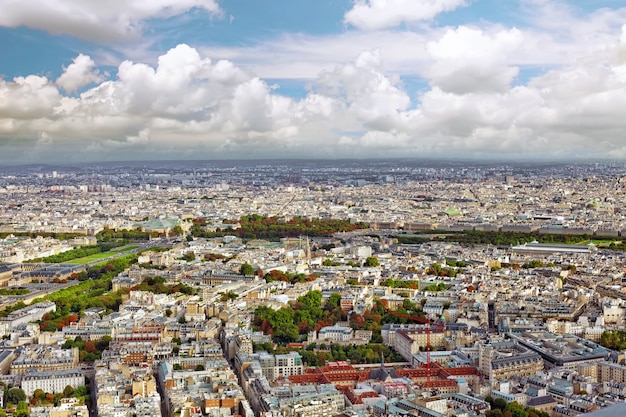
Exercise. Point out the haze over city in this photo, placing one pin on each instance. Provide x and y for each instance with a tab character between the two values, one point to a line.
206	79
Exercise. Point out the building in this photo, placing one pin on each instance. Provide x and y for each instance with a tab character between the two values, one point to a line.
52	381
27	314
567	351
504	360
409	342
335	333
42	358
305	401
274	367
69	407
611	372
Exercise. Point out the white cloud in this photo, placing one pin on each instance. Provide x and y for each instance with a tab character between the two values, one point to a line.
380	14
561	33
467	59
27	98
187	104
79	74
367	94
305	56
254	109
94	20
438	53
186	99
143	137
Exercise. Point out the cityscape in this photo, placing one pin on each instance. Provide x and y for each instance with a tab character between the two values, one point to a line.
313	288
339	208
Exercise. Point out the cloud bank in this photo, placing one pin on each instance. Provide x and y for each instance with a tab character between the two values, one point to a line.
189	104
549	90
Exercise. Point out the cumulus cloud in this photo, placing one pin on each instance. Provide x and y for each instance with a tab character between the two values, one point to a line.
466	59
380	14
367	94
79	74
188	104
97	21
27	98
186	99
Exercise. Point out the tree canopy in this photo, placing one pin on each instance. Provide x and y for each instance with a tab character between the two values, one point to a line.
613	339
371	261
255	226
246	269
15	395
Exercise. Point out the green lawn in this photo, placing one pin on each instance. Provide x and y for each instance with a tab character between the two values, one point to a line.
90	258
124	249
104	255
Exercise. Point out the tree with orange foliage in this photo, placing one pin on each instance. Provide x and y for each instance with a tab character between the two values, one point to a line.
90	347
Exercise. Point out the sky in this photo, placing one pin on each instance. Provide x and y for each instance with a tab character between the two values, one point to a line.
93	80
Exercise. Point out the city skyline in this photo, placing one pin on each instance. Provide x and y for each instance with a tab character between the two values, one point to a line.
206	79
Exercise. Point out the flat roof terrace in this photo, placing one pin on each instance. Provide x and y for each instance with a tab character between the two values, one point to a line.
560	350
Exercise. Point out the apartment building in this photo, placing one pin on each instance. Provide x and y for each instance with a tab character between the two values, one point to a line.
52	381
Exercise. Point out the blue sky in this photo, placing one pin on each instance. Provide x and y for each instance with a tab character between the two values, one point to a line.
88	80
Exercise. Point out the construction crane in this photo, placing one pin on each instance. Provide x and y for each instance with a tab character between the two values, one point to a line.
431	324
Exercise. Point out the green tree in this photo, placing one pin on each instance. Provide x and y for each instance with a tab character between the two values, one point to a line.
68	391
39	395
311	300
15	395
21	410
371	261
516	409
409	305
499	403
489	400
246	269
103	343
227	296
285	330
613	339
333	301
189	256
81	391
